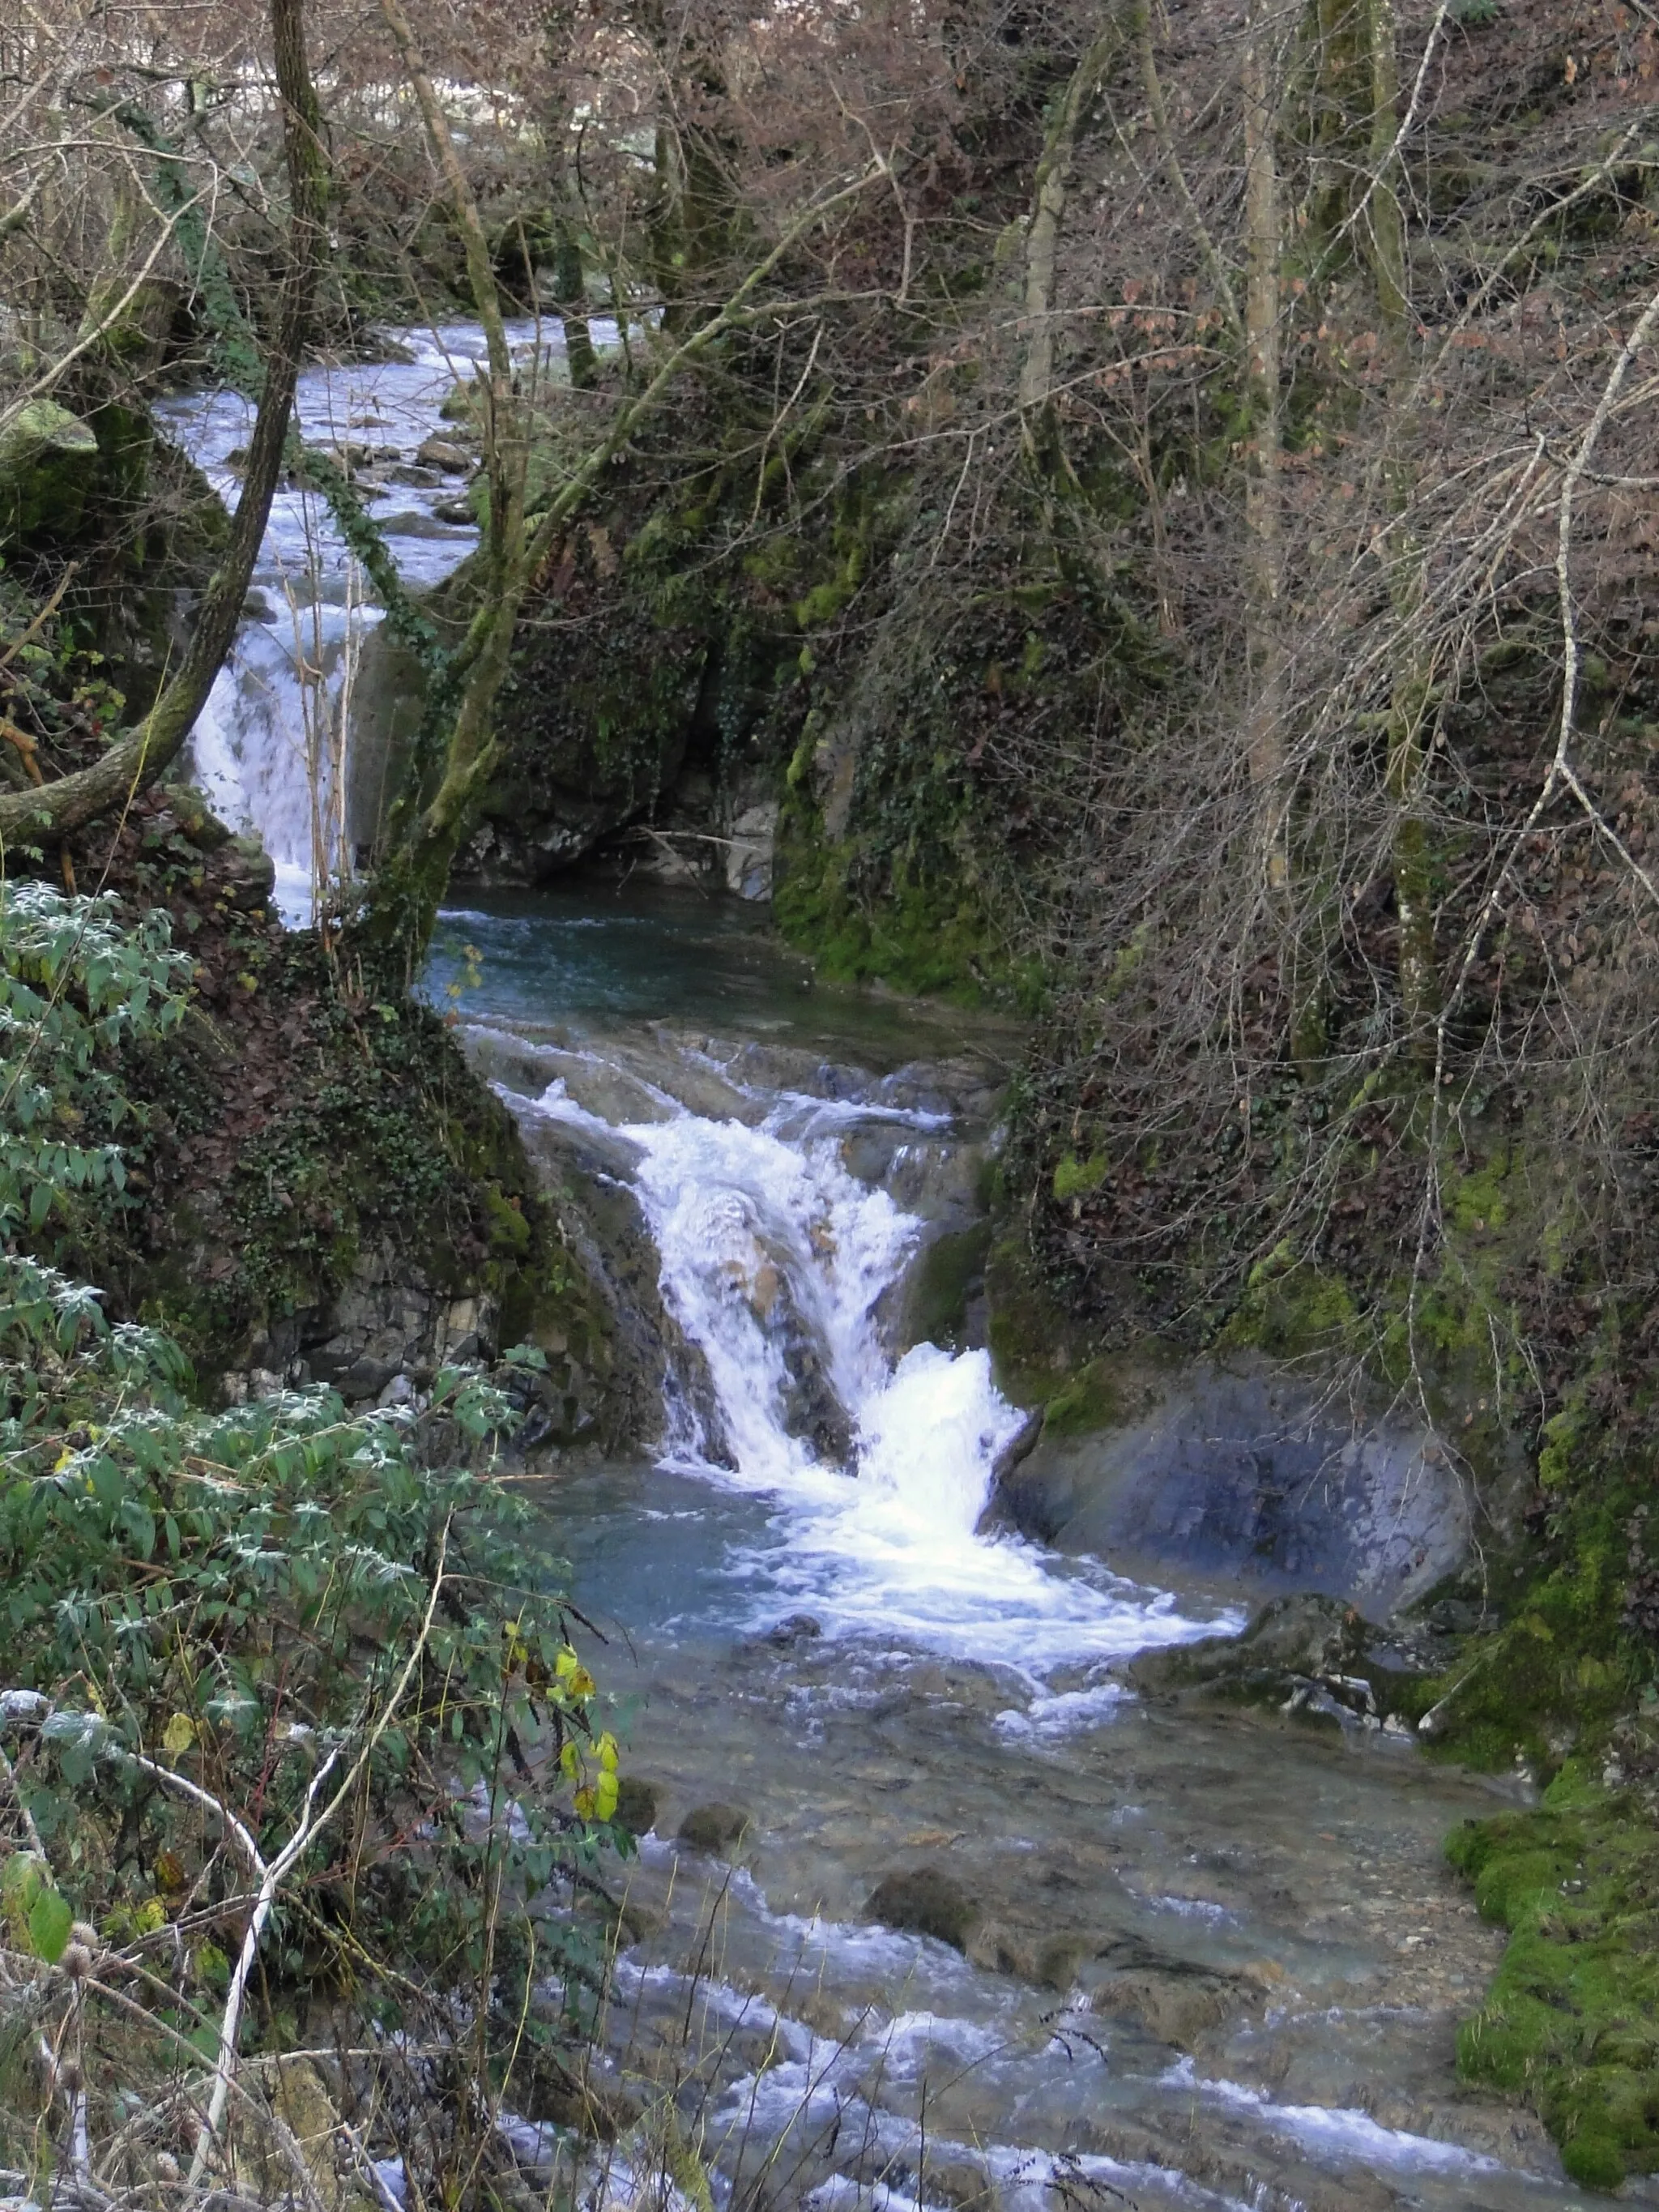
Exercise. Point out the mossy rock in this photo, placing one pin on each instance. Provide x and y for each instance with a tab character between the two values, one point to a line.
49	464
1571	2019
928	1902
717	1829
1037	1346
942	1284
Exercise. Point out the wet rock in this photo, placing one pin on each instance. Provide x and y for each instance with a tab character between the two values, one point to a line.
1018	1447
1242	1475
1176	2003
247	875
957	2180
409	522
798	1628
748	855
443	454
457	512
925	1901
637	1801
715	1829
1308	1654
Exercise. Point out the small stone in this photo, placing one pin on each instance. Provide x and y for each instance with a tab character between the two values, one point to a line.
263	1383
456	511
399	1391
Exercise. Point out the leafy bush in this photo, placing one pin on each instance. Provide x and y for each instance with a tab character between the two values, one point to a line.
75	987
279	1637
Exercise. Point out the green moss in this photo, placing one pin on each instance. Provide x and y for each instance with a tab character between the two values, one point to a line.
926	935
1090	1400
1036	1344
942	1282
1075	1178
1572	2017
1479	1201
1556	1674
1290	1308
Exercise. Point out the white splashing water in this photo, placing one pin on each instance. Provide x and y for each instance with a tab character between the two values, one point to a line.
773	1257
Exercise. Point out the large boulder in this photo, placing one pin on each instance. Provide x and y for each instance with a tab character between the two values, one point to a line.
1246	1478
49	462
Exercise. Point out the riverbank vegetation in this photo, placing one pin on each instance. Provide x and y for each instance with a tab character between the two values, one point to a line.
1141	513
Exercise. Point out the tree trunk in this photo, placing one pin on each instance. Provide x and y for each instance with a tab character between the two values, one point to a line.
1383	233
570	289
1263	532
137	758
1036	368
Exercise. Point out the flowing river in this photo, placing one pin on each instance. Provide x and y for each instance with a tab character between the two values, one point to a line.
1194	1959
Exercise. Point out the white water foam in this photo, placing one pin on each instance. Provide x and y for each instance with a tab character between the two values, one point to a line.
774	1257
1336	2131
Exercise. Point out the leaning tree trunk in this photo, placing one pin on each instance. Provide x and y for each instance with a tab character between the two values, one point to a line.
1039	428
141	754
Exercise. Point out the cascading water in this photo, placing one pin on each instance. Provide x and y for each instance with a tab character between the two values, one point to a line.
778	1262
819	1634
951	1706
270	750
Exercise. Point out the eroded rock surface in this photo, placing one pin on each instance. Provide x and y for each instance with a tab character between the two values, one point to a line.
1246	1476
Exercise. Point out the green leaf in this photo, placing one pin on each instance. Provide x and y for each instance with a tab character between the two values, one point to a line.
50	1922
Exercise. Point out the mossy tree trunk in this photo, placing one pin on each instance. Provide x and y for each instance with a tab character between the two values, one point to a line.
141	754
1039	426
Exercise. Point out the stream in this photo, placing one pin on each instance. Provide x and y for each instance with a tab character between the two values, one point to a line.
1194	1959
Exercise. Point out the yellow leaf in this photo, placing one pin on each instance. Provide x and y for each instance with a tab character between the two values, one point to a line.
605	1796
151	1915
179	1736
606	1748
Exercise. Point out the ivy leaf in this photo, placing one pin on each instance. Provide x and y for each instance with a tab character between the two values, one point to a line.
179	1736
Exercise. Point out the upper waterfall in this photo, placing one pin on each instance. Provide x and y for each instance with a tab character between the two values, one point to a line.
272	750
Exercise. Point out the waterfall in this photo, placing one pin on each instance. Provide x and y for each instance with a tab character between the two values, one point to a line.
777	1263
270	749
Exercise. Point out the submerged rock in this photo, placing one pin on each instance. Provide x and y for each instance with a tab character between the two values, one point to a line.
926	1902
715	1829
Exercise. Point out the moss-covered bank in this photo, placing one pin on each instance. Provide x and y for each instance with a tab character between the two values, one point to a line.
1572	2019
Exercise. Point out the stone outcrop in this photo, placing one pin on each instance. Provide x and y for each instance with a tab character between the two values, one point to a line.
1246	1477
